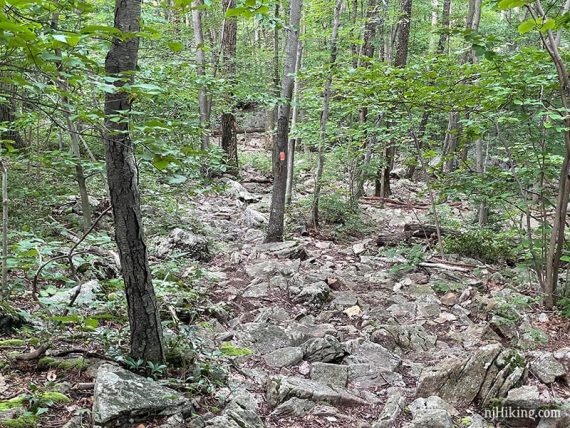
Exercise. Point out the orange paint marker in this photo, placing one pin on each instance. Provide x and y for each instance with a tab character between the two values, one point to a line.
282	156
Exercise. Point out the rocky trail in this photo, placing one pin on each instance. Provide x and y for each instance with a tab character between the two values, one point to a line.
343	335
327	333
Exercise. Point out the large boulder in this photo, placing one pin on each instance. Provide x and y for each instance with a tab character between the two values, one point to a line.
326	349
284	250
237	191
488	373
412	337
281	389
183	241
122	397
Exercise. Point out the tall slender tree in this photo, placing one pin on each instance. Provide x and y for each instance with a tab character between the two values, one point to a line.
275	227
201	72
229	127
121	64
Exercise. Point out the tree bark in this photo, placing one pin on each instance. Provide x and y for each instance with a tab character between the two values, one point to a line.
325	117
277	213
294	118
121	62
400	61
229	127
201	72
444	36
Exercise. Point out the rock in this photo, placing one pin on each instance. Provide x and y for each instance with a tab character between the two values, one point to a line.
449	299
366	376
330	374
474	421
269	268
253	218
264	338
121	396
236	190
432	412
359	248
490	372
405	336
525	397
281	389
391	411
294	407
183	241
364	352
345	298
175	421
503	327
74	422
326	349
256	291
85	297
243	412
10	318
284	357
316	293
353	311
285	249
547	368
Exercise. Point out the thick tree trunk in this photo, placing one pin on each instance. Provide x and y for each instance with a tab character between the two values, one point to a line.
325	117
229	128
8	116
121	61
201	72
275	227
271	114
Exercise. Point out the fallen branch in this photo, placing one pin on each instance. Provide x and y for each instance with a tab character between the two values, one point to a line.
33	355
444	266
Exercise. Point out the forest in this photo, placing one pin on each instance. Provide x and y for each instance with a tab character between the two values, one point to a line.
285	213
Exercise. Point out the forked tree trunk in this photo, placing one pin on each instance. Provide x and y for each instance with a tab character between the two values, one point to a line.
325	117
275	227
121	62
229	127
201	72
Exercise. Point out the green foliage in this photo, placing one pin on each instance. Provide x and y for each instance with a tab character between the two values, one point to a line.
485	245
230	350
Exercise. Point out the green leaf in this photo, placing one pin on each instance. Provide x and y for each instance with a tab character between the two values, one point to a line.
510	4
526	26
161	162
175	46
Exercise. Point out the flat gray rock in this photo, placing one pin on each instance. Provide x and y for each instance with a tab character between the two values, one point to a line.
121	396
284	357
547	368
330	374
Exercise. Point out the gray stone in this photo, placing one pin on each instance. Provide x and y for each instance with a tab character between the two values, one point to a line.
269	268
391	411
435	418
345	298
264	338
475	421
120	396
325	349
329	374
183	241
316	293
294	407
421	405
488	373
525	397
281	389
364	352
405	336
236	190
175	421
256	291
366	376
547	368
254	218
285	249
87	294
284	357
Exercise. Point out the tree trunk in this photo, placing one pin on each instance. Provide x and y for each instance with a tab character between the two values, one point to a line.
7	116
271	114
294	118
401	60
444	36
201	72
325	117
277	213
229	128
121	62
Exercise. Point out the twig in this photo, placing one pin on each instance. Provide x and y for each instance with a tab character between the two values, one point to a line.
34	355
